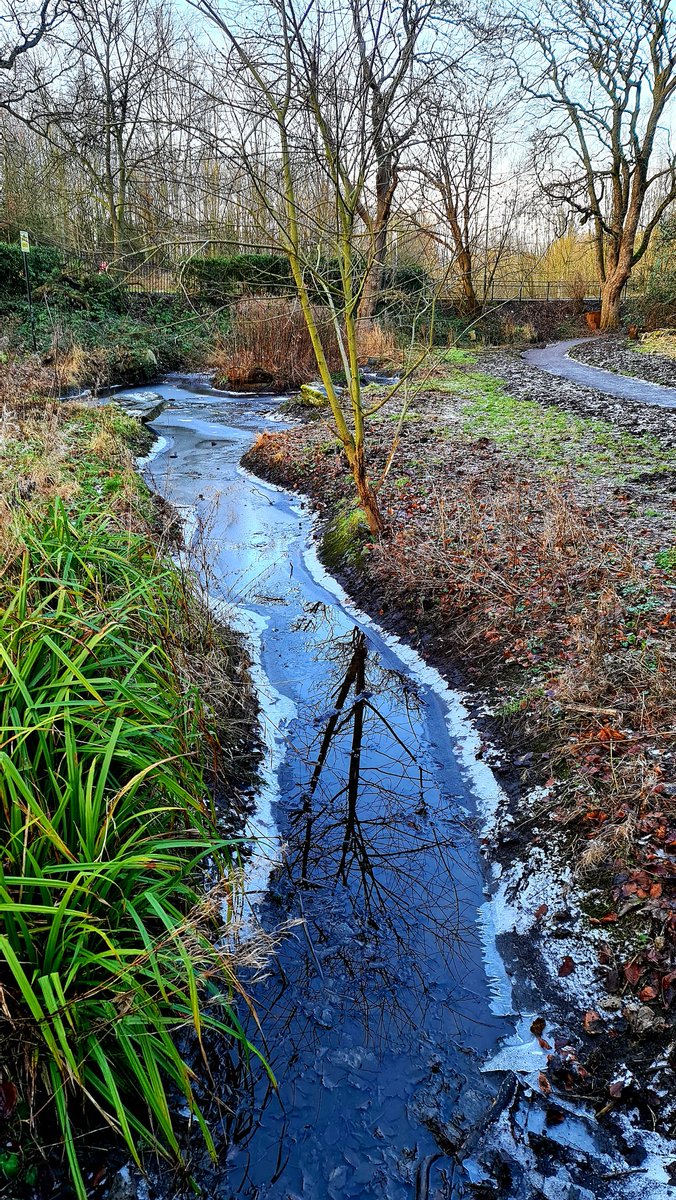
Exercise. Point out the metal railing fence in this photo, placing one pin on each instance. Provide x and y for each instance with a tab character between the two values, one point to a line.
161	271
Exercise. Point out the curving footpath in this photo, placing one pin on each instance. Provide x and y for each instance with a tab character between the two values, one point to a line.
555	360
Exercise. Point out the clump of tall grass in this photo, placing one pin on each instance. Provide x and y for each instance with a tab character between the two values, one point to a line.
270	345
376	344
106	942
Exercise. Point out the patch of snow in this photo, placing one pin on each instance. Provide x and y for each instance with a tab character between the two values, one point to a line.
276	712
659	1153
521	1053
146	399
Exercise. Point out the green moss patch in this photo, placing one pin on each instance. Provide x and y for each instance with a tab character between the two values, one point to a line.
345	537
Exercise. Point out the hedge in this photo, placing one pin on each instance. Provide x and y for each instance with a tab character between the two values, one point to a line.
44	263
218	280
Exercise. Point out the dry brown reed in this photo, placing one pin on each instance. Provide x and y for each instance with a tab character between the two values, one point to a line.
270	345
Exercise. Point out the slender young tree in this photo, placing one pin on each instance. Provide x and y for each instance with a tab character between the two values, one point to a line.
303	100
603	75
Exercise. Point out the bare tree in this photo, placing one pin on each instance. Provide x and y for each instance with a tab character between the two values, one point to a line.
458	172
89	97
391	63
302	107
23	27
603	72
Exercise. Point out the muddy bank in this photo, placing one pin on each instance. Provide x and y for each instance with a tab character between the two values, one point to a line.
498	570
624	357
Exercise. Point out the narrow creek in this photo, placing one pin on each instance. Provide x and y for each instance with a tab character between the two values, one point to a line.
386	1001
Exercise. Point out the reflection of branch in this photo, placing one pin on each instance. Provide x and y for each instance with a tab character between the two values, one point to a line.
388	871
358	665
329	732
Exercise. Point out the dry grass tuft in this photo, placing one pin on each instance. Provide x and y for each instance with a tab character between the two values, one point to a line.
376	345
660	341
270	345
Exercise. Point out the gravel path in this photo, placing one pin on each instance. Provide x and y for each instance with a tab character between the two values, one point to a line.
525	380
555	360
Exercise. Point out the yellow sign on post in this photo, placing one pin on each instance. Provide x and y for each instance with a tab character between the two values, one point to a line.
25	248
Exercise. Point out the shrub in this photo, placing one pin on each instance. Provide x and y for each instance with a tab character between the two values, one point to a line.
44	265
406	296
375	344
270	344
657	306
76	286
661	281
576	289
105	949
219	280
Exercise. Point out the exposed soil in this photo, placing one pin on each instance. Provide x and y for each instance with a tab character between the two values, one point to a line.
529	554
624	357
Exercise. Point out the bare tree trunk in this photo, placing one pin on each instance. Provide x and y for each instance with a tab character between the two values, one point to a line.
366	494
386	183
374	278
470	302
611	300
619	262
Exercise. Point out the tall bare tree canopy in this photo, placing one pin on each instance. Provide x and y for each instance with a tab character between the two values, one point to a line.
460	129
23	26
130	125
603	73
91	95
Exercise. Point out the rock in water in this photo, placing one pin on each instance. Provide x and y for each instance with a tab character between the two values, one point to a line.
144	406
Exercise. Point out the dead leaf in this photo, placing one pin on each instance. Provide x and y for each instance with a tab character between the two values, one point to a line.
538	1026
592	1022
545	1085
554	1115
632	973
567	967
541	911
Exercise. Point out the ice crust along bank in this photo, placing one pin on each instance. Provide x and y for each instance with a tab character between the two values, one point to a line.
434	1076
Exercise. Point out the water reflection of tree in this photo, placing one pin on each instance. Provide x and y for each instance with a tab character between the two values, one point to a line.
374	862
373	829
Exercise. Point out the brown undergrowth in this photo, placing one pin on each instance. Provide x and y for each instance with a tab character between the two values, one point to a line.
269	345
552	589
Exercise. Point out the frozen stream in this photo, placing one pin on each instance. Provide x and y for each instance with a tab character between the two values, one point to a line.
380	1010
